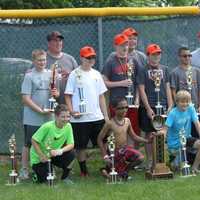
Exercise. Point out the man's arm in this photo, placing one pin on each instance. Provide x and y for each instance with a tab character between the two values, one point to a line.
101	136
26	99
169	97
113	84
134	136
37	148
103	107
144	99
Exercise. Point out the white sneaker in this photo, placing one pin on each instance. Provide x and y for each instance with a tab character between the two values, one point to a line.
23	174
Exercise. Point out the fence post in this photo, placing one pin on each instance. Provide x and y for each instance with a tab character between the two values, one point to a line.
100	44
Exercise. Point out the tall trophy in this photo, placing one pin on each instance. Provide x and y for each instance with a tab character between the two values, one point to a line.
130	72
52	100
13	176
82	103
113	175
184	166
159	168
50	176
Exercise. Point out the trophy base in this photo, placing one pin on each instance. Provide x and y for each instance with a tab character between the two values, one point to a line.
159	171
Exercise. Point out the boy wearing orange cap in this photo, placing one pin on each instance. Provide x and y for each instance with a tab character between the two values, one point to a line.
146	85
86	86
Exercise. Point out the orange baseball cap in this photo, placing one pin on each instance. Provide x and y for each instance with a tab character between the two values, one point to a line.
87	51
120	39
130	31
153	48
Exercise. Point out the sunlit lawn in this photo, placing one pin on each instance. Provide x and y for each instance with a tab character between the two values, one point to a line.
95	187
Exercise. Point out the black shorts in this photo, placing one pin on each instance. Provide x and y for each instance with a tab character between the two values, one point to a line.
85	131
145	123
190	142
28	133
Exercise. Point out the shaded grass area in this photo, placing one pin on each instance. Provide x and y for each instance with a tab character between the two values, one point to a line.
95	187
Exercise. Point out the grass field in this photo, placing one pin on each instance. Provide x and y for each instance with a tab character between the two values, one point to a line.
95	187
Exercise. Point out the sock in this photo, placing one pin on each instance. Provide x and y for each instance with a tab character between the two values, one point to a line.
83	167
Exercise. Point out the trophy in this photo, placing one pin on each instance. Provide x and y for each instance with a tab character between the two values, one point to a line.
13	176
189	79
184	166
50	176
52	100
82	103
130	72
158	120
159	168
111	146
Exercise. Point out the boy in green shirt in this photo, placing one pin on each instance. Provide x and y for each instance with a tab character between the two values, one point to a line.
58	135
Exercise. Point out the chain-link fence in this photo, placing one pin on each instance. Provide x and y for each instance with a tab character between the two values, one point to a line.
19	38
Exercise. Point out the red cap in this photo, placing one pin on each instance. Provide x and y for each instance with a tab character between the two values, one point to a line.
129	32
120	39
153	48
87	51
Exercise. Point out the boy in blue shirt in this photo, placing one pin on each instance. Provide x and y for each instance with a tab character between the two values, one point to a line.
181	117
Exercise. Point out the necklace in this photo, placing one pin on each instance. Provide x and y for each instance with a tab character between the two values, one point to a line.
123	65
119	123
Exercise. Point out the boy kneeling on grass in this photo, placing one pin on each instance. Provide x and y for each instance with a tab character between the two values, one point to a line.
58	135
126	157
181	117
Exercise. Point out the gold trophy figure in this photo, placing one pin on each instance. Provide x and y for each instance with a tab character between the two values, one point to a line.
13	176
184	166
52	100
50	177
130	72
82	103
111	146
189	79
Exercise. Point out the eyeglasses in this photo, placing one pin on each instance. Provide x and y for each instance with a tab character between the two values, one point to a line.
90	57
186	55
122	108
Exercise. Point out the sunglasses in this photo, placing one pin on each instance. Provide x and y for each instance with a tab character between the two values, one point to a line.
186	55
122	108
90	57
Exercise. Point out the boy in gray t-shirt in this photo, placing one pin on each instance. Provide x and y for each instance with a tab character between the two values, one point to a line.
186	77
35	92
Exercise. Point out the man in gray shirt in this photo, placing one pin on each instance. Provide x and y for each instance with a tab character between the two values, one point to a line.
186	77
66	63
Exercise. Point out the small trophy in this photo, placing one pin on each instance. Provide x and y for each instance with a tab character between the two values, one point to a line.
184	166
82	103
52	100
189	79
50	177
13	176
130	72
111	146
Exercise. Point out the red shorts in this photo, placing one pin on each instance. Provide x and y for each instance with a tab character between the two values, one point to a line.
132	114
126	157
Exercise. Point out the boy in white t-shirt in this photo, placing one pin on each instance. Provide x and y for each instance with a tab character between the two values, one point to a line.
88	125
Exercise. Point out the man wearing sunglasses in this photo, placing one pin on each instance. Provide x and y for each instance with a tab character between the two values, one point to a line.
86	85
186	77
